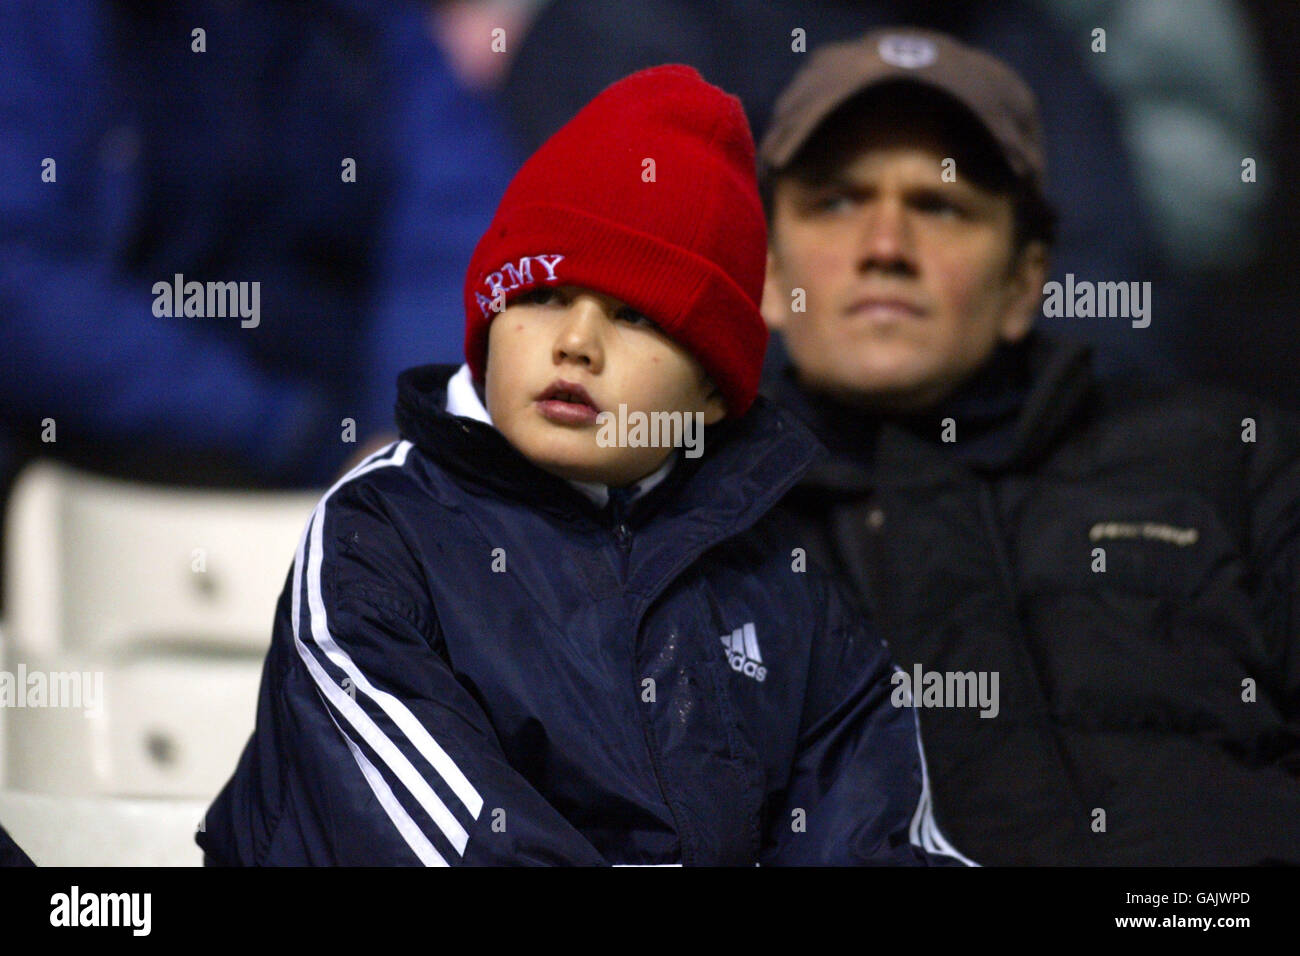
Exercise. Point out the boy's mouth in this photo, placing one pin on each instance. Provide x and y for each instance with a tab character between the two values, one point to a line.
567	403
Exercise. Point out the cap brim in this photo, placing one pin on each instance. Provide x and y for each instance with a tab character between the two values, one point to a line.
784	143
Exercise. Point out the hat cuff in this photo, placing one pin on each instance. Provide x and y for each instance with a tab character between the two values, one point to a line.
695	303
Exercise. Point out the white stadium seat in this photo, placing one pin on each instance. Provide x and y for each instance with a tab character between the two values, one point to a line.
163	596
95	562
168	724
4	711
56	830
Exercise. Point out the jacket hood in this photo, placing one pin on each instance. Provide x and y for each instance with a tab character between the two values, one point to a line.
746	465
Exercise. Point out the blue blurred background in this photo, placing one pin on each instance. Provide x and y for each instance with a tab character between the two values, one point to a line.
225	164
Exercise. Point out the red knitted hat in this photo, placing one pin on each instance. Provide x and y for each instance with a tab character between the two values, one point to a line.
648	195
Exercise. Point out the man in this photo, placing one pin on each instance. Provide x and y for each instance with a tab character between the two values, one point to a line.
1091	589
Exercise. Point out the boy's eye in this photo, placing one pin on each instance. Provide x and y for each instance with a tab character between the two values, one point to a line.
629	314
541	295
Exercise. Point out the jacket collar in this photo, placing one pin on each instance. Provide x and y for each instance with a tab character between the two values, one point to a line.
747	464
1012	411
463	400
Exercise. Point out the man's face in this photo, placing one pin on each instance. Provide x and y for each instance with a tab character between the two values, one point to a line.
557	341
910	281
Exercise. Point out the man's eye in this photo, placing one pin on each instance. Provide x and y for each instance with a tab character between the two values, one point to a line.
940	206
832	202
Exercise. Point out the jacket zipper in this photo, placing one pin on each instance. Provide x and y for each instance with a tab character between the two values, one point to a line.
623	537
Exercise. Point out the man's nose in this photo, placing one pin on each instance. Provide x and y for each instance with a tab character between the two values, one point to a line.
578	340
886	240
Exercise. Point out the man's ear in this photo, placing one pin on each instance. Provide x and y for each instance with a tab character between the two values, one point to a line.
776	303
1024	292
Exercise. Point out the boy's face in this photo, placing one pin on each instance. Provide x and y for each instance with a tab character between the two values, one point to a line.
910	281
556	340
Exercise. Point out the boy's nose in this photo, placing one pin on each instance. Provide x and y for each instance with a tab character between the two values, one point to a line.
578	339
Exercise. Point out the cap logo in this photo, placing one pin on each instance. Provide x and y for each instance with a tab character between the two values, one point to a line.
909	52
510	277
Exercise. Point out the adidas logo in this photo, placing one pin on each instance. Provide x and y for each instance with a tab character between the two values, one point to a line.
742	652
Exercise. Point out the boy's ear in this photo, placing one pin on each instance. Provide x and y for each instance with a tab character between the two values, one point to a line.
715	406
775	306
715	410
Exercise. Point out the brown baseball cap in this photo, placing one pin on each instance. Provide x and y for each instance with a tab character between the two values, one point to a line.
986	86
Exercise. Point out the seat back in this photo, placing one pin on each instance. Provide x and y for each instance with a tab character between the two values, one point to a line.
60	830
94	563
139	724
151	606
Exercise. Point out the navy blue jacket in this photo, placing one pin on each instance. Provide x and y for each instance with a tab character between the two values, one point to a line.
1126	559
472	664
11	854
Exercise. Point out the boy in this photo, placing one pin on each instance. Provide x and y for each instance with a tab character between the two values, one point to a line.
507	639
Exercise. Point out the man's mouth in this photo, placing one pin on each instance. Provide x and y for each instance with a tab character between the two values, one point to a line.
567	403
884	309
